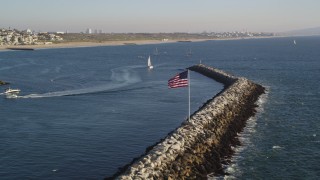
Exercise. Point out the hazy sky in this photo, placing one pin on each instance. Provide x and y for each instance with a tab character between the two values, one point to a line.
160	15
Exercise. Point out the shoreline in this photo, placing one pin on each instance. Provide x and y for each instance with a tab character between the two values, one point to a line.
83	44
120	43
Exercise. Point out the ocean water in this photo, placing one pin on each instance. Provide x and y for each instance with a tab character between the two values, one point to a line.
84	112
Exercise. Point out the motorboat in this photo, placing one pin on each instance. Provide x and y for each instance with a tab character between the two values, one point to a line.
12	91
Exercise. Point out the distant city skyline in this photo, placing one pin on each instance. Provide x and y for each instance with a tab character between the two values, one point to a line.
121	16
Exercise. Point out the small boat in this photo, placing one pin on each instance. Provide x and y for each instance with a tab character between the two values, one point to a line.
189	53
149	63
294	42
156	52
10	91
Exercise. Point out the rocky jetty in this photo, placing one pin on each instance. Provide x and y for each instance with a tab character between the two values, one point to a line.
3	83
200	144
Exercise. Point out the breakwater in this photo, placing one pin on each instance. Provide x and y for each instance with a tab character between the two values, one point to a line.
18	48
200	144
3	83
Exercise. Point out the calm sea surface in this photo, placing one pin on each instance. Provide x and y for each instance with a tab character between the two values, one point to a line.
84	112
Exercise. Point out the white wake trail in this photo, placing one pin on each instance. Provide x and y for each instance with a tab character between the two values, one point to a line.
120	77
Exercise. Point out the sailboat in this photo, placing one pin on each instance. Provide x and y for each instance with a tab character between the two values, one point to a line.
294	42
189	53
156	53
149	63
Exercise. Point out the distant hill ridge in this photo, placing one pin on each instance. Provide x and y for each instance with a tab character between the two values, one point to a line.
303	32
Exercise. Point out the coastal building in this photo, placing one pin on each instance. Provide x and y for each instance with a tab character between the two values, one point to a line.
26	37
89	31
28	31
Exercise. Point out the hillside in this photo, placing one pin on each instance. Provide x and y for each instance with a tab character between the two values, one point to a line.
303	32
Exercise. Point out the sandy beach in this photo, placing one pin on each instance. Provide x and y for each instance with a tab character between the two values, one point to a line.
117	43
88	44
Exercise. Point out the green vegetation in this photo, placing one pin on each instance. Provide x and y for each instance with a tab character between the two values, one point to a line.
104	37
76	37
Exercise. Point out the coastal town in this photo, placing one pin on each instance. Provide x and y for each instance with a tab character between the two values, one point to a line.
14	37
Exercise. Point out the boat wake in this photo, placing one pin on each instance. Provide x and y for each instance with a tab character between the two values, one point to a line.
120	77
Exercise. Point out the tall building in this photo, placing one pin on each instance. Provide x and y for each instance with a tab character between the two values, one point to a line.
89	31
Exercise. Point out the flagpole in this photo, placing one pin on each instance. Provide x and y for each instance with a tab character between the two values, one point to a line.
189	91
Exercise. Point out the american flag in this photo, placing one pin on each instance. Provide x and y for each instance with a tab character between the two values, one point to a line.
180	80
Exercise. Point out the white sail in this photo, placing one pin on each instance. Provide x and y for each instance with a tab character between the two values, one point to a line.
156	52
189	53
149	63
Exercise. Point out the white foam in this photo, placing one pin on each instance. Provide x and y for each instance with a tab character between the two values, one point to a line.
277	147
231	169
245	138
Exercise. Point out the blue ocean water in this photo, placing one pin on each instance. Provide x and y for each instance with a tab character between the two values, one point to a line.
84	112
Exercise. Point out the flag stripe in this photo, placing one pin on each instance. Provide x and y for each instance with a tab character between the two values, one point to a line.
180	80
177	80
